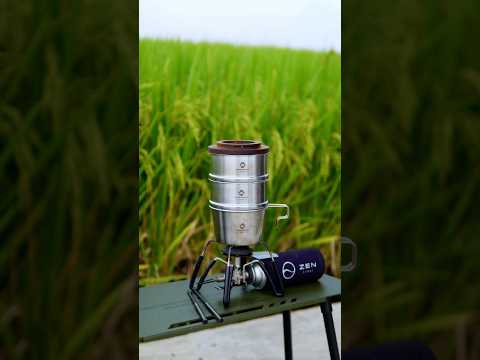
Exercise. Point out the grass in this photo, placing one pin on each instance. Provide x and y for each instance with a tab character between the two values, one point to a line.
68	160
410	190
192	95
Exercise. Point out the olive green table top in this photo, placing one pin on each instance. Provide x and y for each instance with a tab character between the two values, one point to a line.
165	309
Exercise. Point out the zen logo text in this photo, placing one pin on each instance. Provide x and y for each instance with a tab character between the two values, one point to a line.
307	266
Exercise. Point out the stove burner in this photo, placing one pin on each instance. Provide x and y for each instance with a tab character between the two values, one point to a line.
241	270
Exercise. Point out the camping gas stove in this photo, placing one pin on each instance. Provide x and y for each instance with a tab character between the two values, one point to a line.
238	186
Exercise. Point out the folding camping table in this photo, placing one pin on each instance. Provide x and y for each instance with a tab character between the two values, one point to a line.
165	309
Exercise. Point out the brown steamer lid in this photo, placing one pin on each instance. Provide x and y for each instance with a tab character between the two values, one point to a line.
238	147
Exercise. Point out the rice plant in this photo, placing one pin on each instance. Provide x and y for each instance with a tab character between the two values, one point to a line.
411	176
192	95
68	160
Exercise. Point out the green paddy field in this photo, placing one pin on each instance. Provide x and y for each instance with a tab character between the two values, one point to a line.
192	95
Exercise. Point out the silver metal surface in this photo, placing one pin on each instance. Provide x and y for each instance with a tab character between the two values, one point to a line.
238	198
281	217
238	277
238	207
238	228
259	278
239	166
240	194
213	177
259	255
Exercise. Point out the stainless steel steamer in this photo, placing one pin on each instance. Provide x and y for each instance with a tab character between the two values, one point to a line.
238	180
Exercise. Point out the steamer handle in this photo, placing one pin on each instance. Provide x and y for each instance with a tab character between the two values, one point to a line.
281	217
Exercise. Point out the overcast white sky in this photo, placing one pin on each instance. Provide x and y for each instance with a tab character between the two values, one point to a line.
310	24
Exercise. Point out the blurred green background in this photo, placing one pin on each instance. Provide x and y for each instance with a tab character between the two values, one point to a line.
192	95
411	174
68	180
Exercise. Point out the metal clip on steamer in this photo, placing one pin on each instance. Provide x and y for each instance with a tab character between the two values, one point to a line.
238	186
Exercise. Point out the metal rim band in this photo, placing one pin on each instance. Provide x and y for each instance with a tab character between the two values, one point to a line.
231	179
226	208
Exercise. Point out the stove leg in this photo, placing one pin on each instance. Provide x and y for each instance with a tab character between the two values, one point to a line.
196	269
277	284
227	288
198	263
330	330
205	273
287	335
